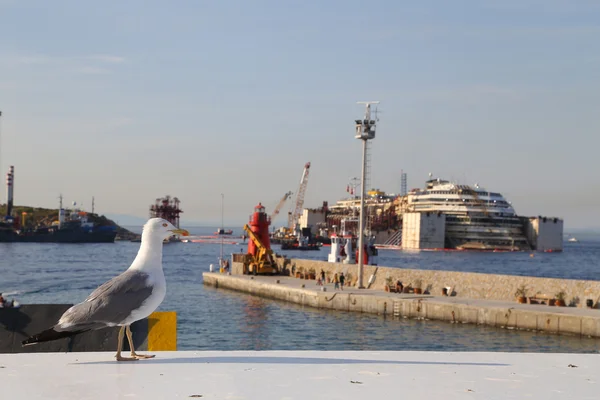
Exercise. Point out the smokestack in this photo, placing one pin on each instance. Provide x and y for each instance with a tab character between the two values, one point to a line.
10	181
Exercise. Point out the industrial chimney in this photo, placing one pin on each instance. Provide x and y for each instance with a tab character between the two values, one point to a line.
10	182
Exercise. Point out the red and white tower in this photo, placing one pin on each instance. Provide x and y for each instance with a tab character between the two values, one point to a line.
259	225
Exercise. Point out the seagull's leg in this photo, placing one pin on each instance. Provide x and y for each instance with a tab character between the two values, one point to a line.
120	346
133	353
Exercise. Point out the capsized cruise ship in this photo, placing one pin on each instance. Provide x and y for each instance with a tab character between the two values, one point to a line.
441	216
476	218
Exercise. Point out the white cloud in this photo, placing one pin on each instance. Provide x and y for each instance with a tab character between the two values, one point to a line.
429	32
107	58
90	70
545	6
91	64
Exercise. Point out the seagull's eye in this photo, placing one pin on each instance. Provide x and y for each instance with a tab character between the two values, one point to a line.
165	225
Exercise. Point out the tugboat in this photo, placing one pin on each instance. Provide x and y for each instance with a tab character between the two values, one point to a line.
344	248
222	230
72	227
341	249
300	244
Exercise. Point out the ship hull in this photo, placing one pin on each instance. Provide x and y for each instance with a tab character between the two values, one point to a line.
59	237
485	233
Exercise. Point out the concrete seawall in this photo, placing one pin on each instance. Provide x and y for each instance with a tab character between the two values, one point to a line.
155	333
469	285
511	315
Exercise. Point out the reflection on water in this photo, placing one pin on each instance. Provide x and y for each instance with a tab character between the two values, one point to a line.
315	329
255	324
218	319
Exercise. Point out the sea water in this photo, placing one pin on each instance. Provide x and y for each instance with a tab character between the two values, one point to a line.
217	319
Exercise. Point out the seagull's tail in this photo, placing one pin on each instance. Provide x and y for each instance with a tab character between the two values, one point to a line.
50	334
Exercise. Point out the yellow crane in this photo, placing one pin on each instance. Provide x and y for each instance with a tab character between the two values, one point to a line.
262	262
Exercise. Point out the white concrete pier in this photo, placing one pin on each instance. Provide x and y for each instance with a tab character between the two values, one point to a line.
295	375
502	314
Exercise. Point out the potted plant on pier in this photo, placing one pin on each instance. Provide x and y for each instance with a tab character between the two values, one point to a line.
300	273
349	279
312	274
388	283
417	288
560	299
521	294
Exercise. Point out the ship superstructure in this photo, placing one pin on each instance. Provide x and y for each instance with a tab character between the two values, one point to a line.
167	208
380	212
441	215
476	218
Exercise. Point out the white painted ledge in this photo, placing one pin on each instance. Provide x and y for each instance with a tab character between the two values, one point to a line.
301	375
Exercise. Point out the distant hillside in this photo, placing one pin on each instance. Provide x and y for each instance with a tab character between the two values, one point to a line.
37	216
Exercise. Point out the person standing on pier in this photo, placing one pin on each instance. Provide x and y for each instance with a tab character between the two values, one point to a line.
342	279
336	281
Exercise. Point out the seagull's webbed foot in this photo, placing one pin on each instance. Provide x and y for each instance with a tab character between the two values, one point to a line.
121	358
138	356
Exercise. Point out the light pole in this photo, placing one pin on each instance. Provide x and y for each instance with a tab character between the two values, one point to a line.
365	130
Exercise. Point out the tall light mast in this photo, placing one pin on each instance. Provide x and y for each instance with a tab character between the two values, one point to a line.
365	130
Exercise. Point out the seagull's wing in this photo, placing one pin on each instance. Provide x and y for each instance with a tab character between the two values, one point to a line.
110	304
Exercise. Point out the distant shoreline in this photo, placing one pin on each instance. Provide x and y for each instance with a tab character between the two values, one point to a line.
45	216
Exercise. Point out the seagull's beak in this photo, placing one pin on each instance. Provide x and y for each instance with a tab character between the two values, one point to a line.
181	232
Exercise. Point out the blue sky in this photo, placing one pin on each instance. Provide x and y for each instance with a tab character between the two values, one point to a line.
130	101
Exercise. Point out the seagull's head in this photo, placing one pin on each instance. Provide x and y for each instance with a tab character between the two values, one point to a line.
162	228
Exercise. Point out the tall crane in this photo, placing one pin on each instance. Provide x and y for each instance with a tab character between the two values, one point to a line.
295	215
280	205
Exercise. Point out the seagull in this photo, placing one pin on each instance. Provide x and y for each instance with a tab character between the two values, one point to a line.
126	298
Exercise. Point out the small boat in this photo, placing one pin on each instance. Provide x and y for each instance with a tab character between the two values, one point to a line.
222	230
296	246
572	239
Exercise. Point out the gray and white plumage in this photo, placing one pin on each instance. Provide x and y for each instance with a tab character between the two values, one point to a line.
113	303
126	298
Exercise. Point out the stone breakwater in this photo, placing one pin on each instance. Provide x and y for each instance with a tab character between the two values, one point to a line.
468	285
502	314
